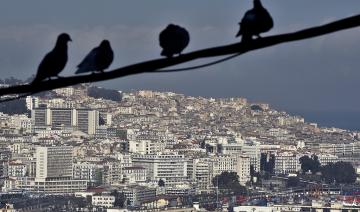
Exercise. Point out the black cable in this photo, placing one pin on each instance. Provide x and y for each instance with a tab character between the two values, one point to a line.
198	66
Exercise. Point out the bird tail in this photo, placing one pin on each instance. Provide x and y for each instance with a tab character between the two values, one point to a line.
239	33
82	69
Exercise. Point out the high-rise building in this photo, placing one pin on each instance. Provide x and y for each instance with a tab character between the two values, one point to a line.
54	161
84	120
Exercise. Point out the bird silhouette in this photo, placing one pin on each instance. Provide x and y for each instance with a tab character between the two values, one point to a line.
54	61
173	39
255	21
98	59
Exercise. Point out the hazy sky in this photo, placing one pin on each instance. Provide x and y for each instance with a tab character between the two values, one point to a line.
320	74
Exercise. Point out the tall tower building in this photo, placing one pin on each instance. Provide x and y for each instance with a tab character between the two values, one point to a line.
54	161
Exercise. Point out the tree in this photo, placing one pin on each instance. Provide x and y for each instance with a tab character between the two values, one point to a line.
161	183
229	181
17	106
158	65
339	172
310	164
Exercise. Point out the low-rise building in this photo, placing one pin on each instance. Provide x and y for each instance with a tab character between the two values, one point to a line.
106	201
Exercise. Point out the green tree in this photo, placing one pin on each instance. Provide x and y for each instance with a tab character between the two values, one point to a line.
229	181
310	163
339	172
161	183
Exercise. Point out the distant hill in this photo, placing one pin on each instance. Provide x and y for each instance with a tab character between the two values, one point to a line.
108	94
17	106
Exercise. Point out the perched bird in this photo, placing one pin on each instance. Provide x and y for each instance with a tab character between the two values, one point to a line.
98	59
173	39
54	61
255	21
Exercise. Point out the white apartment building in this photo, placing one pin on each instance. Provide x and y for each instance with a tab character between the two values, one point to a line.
145	146
287	162
251	151
170	167
232	163
243	169
223	163
134	174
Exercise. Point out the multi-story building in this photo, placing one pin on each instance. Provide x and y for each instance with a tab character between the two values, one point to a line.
243	169
202	173
54	161
106	201
32	102
223	163
344	149
134	174
145	146
170	167
287	162
68	91
4	164
112	173
87	171
137	195
84	120
251	151
325	159
61	185
17	169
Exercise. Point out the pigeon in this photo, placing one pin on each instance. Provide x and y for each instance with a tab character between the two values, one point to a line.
255	21
173	39
54	61
98	59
